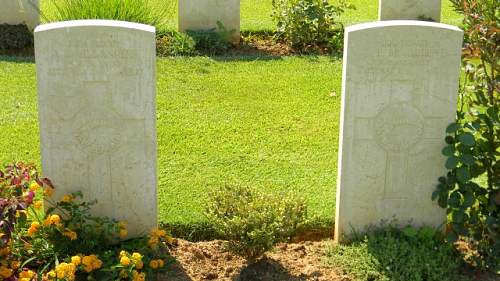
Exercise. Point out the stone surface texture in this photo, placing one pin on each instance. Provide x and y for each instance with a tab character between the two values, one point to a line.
96	90
409	9
399	93
20	11
203	15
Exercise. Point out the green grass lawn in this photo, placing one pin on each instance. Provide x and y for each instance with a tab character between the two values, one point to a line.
267	123
270	123
256	14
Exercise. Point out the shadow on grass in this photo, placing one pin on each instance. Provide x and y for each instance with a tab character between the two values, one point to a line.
16	58
267	270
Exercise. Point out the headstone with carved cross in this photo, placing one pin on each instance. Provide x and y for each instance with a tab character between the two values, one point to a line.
96	89
20	11
400	83
206	15
410	10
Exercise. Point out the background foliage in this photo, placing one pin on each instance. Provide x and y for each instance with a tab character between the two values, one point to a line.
471	190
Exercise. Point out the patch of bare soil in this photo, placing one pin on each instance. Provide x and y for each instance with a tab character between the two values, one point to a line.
208	261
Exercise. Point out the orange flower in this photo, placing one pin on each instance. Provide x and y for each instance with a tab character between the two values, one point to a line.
34	227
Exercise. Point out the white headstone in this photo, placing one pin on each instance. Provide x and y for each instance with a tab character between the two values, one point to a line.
399	93
410	10
20	11
96	89
203	15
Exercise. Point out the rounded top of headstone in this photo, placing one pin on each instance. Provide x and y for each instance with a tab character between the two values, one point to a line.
87	23
400	23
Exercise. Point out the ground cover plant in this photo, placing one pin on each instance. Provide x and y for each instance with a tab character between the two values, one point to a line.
470	191
65	242
389	253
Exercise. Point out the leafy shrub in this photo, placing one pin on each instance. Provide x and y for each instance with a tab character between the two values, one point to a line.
155	13
310	24
15	37
254	221
389	253
213	42
471	189
66	242
175	44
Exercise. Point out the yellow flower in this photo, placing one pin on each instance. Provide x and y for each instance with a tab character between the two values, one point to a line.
5	272
48	191
91	263
15	264
51	274
38	204
76	260
136	257
153	264
139	265
52	220
34	227
67	198
34	186
123	233
161	263
27	274
125	261
70	234
123	253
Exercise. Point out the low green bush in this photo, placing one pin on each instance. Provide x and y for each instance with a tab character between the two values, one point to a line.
253	221
391	254
175	44
309	25
15	37
155	13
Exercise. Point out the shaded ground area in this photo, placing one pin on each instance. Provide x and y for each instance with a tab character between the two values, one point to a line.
208	261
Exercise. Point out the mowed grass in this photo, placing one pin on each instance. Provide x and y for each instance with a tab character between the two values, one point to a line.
271	123
266	122
256	14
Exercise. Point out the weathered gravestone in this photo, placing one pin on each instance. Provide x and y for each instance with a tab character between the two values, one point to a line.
410	10
20	11
203	15
96	88
400	84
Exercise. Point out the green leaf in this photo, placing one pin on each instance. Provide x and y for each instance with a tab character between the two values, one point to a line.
463	174
467	159
452	237
452	128
454	200
467	139
457	216
410	232
448	150
451	162
468	199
